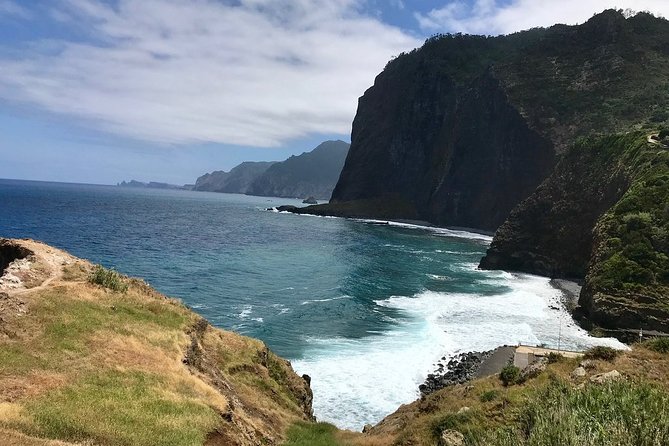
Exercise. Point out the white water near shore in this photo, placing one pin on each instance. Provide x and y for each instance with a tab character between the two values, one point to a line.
360	381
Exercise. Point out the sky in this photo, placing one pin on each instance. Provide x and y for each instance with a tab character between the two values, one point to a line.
100	91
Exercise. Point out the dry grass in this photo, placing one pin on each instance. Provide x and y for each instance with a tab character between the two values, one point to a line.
94	365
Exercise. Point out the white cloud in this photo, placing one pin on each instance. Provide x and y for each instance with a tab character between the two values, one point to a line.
259	73
8	7
493	17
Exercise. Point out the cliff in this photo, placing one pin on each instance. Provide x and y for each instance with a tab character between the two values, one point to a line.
602	216
237	181
121	364
461	130
312	173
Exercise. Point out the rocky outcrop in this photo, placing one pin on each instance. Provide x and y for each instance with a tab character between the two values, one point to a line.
550	233
461	130
312	173
458	370
600	218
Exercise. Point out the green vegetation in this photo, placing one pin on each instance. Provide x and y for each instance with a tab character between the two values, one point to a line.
311	434
109	278
621	413
553	357
601	352
660	345
510	375
136	412
631	253
489	395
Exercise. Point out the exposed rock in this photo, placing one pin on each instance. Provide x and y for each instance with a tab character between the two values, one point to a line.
461	144
367	428
533	370
310	200
579	372
464	409
458	370
588	364
603	378
452	437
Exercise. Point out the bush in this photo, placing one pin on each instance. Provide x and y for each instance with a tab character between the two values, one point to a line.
553	357
660	345
509	375
488	395
622	413
108	278
601	352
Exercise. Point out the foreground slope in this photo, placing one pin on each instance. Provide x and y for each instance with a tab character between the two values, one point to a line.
84	363
613	399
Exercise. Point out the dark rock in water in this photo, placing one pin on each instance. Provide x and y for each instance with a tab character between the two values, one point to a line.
285	208
459	370
310	200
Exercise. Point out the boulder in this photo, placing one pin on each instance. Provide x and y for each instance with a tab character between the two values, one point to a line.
450	437
579	372
310	200
603	378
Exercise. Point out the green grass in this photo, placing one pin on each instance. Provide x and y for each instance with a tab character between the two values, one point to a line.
114	408
622	414
601	352
109	278
660	345
311	434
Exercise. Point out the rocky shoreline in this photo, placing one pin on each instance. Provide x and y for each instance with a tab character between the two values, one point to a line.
465	367
458	370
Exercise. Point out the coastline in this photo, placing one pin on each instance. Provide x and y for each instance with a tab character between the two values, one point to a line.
570	293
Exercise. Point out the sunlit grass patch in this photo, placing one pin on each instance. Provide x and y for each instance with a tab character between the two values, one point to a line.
121	409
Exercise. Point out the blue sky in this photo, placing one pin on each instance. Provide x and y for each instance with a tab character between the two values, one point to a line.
100	91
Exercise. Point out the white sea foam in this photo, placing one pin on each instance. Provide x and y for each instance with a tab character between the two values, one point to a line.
307	302
456	233
360	381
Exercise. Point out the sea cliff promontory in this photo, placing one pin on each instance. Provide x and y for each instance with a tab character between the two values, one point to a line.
88	356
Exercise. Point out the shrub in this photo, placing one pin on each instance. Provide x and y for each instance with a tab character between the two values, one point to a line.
601	352
660	345
622	414
553	357
108	278
509	375
489	395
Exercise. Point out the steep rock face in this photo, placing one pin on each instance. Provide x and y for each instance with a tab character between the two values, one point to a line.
601	215
237	181
461	130
495	160
550	233
312	173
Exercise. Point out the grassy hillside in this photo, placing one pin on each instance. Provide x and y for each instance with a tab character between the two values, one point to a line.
121	364
552	407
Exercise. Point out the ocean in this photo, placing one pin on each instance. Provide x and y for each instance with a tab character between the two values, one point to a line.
366	308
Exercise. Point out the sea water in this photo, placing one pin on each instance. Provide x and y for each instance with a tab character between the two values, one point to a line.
366	308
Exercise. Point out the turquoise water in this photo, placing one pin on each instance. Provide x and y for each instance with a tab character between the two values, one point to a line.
365	308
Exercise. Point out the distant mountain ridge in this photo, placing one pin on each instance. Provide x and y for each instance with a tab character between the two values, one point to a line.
312	173
237	181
